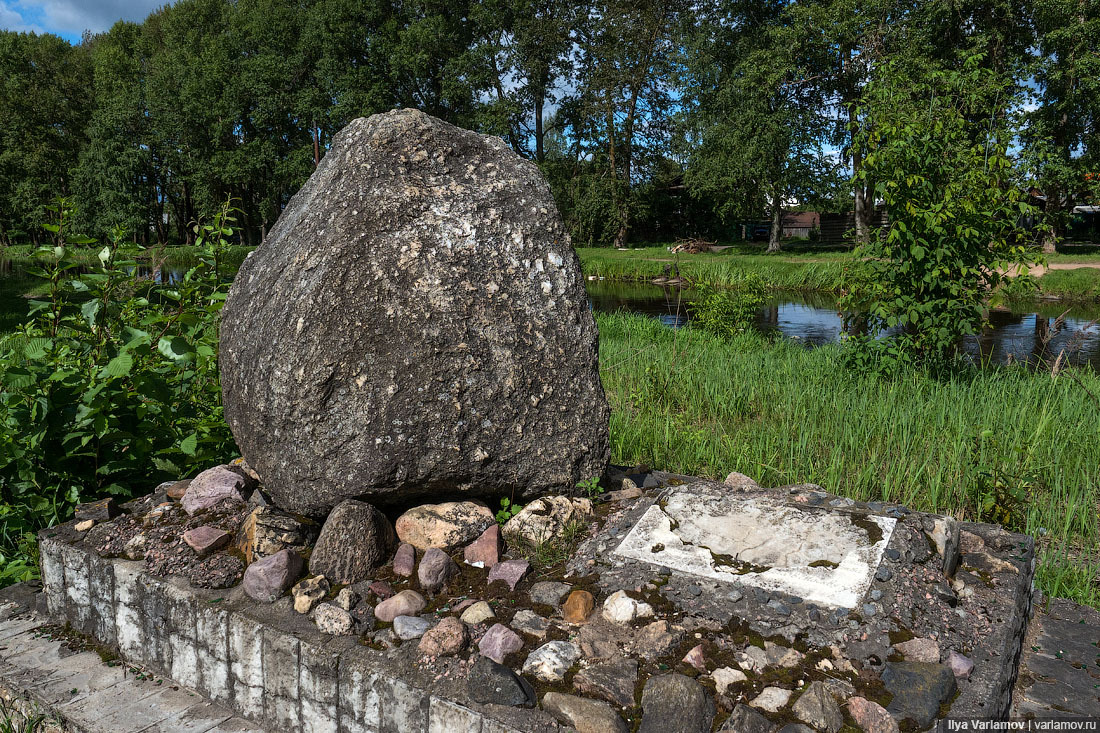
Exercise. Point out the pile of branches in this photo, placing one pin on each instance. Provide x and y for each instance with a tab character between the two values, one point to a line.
691	246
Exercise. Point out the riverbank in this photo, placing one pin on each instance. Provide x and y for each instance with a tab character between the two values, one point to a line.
1073	275
1003	445
729	267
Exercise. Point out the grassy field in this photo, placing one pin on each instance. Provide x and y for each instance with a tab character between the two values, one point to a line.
804	270
1082	284
803	267
683	401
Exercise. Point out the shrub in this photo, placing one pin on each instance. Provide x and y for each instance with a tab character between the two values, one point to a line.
110	386
727	312
936	150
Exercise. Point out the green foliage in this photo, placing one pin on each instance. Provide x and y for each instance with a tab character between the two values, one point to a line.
935	146
591	487
1003	489
111	385
507	510
1060	147
727	312
763	118
45	86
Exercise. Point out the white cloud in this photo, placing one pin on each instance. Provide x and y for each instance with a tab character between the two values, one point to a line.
12	20
73	17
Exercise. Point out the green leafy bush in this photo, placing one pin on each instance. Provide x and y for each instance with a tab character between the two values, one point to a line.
727	312
111	385
936	150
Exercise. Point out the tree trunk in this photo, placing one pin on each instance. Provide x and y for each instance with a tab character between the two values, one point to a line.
1050	239
315	133
1052	208
540	133
777	222
862	217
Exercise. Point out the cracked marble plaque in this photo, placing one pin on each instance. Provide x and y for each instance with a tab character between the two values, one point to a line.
825	556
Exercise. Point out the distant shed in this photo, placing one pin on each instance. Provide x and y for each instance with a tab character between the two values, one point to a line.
799	224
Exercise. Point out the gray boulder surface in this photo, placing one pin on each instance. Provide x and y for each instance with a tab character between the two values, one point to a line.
415	325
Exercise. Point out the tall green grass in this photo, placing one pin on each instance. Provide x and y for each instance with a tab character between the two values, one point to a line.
684	401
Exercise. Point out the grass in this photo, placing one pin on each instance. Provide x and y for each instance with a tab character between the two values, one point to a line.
785	271
1082	284
24	717
802	267
686	402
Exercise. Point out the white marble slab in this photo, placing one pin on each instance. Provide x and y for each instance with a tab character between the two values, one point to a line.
824	556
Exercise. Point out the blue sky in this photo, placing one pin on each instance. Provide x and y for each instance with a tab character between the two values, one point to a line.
70	18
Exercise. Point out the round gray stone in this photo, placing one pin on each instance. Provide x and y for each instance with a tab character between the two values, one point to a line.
410	627
414	325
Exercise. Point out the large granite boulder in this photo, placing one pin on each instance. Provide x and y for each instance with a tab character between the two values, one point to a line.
414	325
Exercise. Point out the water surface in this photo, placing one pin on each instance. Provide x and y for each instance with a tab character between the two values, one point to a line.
814	319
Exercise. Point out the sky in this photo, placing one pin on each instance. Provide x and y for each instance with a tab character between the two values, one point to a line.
70	18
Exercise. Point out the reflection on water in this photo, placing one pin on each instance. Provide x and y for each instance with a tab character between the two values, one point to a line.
814	319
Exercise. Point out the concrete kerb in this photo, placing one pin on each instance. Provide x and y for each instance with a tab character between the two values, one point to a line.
265	664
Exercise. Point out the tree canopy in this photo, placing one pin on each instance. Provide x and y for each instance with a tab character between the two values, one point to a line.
652	119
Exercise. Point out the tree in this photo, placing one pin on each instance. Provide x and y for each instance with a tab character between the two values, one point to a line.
954	202
116	182
1062	137
627	58
762	112
527	66
45	99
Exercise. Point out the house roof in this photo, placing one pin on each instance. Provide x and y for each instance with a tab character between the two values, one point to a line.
809	219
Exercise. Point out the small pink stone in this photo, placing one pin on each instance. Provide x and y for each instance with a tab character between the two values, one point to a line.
404	562
381	588
206	539
960	665
695	658
484	552
510	571
870	716
499	642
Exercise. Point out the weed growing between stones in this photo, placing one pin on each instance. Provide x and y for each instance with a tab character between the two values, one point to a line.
555	551
23	717
508	509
